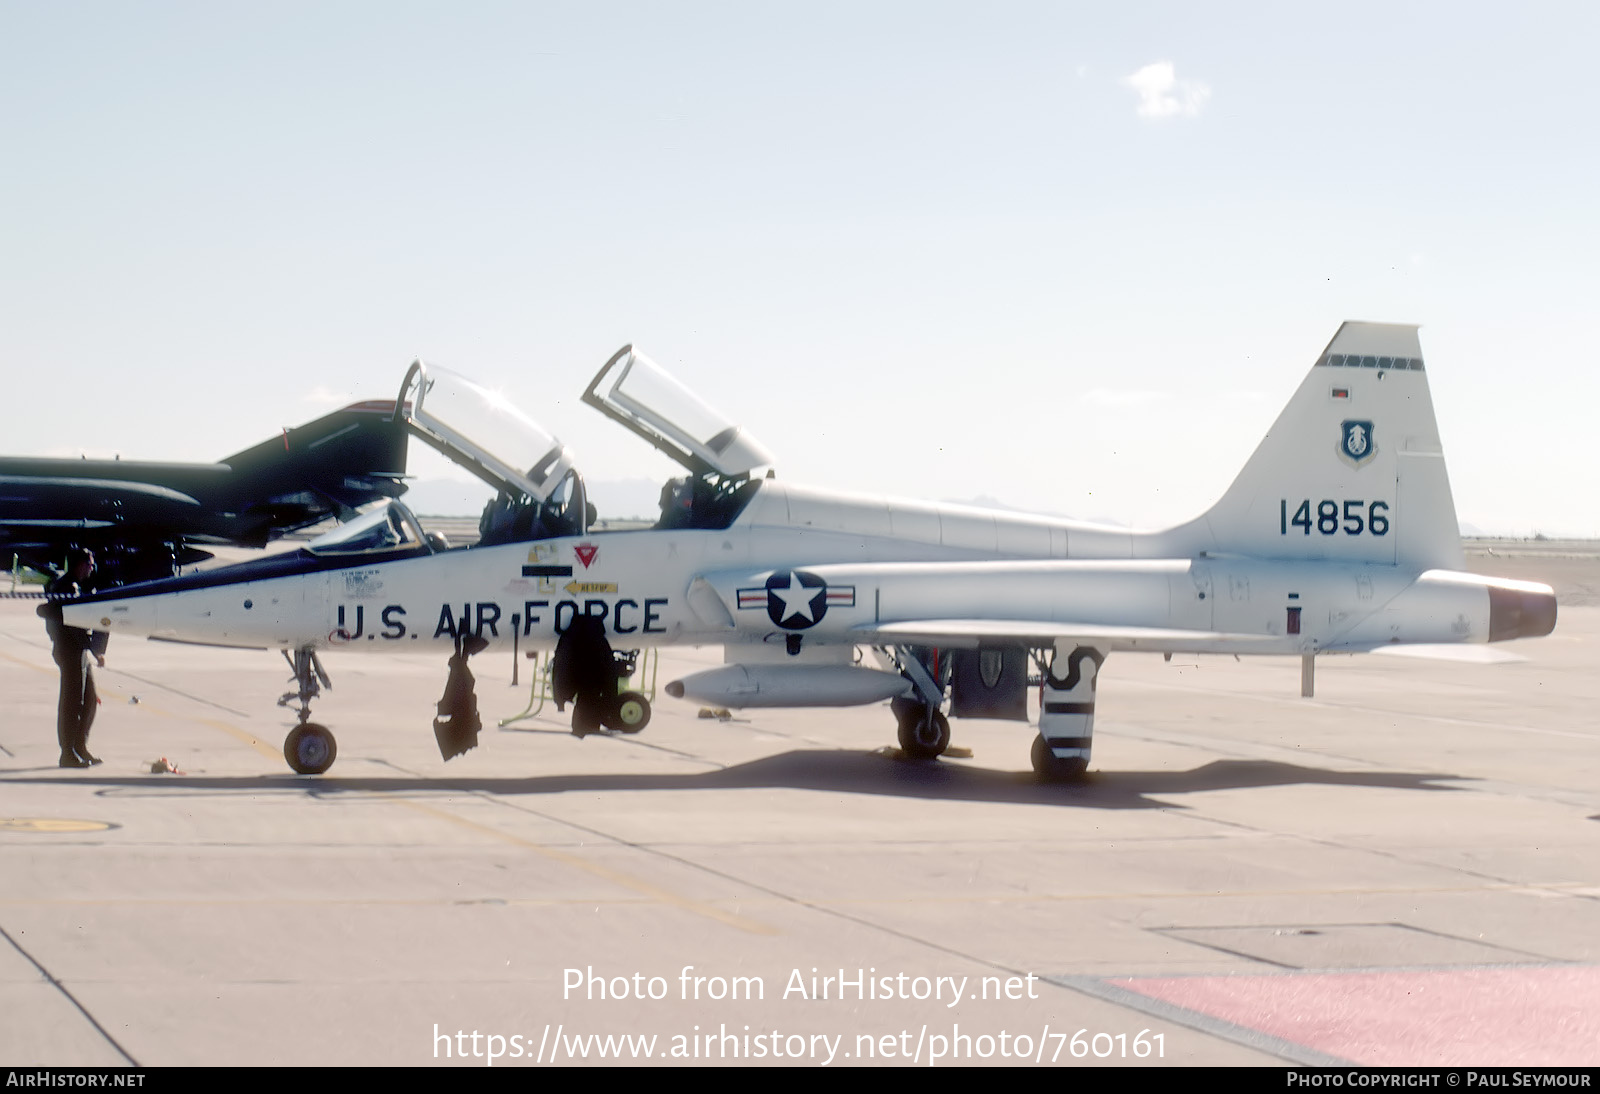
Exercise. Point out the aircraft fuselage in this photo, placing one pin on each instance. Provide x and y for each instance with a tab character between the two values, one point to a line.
656	587
1338	534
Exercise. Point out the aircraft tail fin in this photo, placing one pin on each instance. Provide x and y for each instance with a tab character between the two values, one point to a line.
348	458
1352	470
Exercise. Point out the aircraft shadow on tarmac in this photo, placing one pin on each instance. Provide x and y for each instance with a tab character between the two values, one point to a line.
828	771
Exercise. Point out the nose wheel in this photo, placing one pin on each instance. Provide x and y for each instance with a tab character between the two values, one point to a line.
310	749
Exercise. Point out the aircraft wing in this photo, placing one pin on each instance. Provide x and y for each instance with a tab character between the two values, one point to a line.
973	632
1154	605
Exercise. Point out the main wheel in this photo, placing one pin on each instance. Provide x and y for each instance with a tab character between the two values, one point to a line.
1052	768
631	714
310	749
922	738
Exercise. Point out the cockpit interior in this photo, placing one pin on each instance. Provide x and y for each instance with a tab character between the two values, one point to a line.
539	493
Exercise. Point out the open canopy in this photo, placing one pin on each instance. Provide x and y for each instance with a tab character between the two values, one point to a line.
634	390
480	430
389	527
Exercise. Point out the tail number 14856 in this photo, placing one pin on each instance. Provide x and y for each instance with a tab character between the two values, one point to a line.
1331	517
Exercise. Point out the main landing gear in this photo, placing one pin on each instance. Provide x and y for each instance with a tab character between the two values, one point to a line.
310	748
1066	712
1068	674
1051	768
924	731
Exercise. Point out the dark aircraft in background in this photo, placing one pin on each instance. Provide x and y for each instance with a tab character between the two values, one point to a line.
143	520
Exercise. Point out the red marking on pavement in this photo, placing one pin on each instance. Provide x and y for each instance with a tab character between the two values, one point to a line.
1495	1017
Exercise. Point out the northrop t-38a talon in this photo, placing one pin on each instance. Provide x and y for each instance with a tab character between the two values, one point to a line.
1338	535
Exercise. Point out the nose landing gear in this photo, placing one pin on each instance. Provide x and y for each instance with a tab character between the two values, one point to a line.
310	748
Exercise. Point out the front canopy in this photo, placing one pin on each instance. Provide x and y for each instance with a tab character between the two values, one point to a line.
483	432
389	527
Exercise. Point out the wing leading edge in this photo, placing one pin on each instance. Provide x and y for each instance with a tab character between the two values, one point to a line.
974	632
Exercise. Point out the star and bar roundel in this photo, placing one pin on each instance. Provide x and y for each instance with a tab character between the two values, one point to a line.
796	599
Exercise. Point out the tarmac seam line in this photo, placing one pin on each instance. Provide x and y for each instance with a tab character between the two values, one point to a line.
1201	1023
1496	882
121	672
1195	1020
62	988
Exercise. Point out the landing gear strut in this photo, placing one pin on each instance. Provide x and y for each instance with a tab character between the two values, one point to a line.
924	731
310	748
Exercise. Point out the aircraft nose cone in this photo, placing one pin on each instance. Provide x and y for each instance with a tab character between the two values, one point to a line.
675	689
1528	611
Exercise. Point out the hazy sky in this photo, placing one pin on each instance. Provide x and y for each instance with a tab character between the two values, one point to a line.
1071	256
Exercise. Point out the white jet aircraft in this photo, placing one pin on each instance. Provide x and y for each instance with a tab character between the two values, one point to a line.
1339	535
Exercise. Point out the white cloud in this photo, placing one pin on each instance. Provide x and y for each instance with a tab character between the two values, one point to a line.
1163	95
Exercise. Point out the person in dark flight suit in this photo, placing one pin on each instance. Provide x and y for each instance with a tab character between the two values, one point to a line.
72	648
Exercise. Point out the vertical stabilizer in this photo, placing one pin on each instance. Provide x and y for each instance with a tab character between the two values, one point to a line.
1351	471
